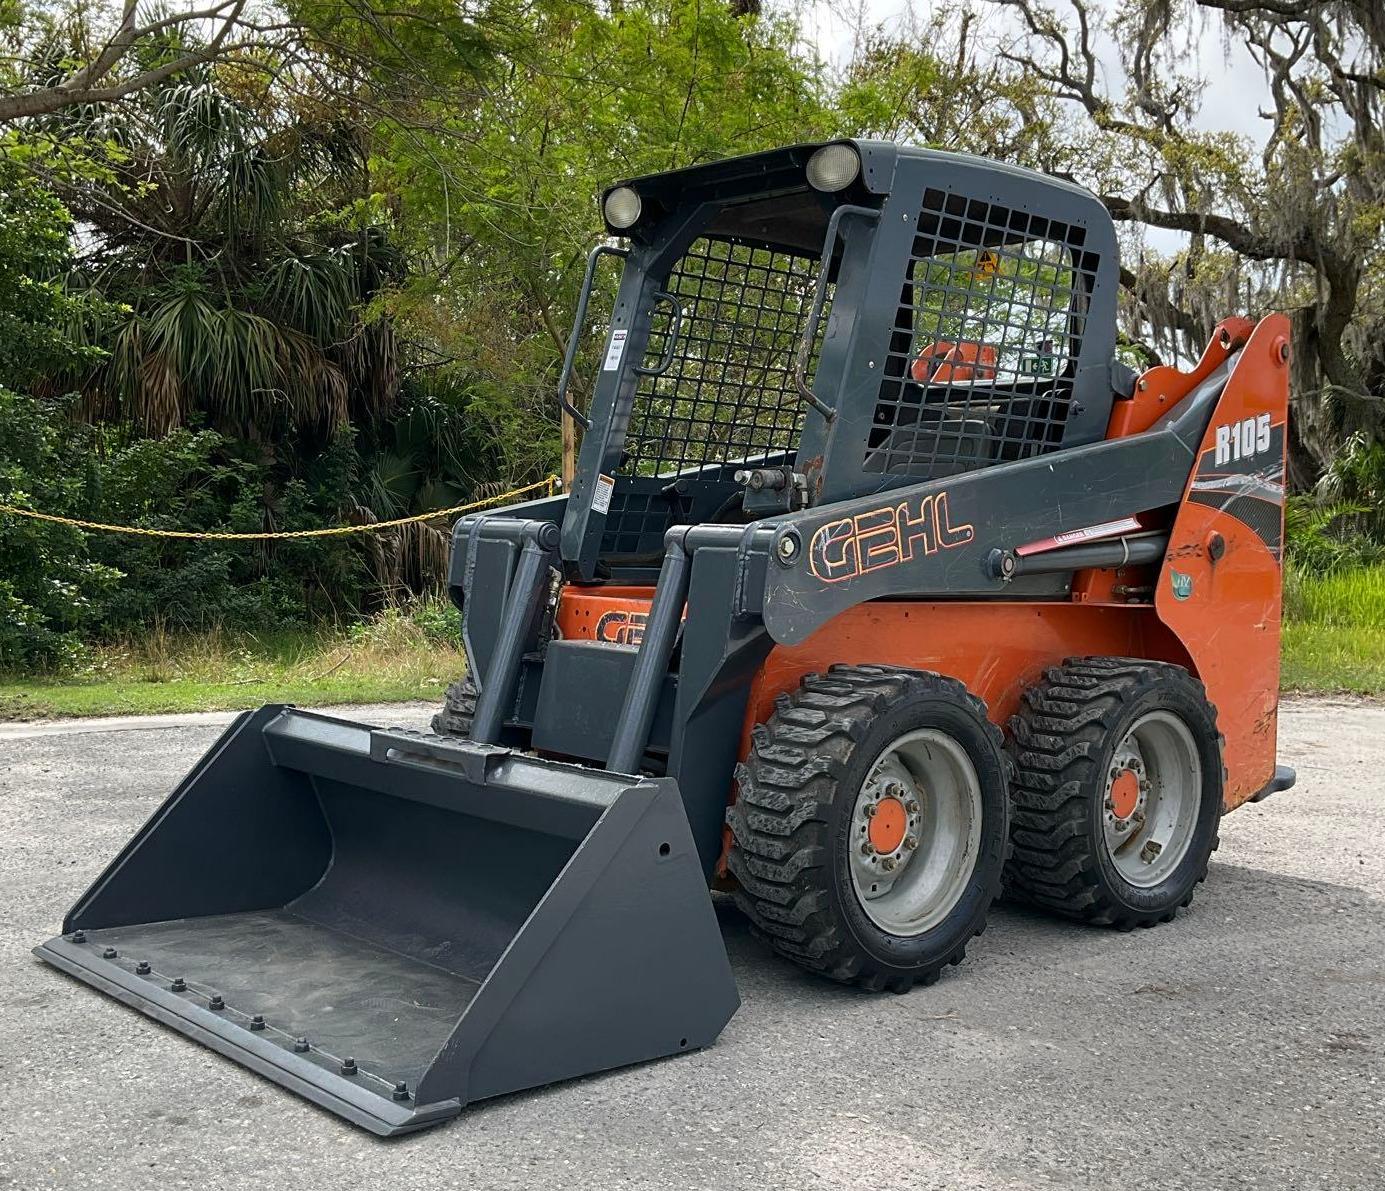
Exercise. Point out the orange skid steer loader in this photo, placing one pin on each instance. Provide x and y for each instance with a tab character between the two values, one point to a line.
882	586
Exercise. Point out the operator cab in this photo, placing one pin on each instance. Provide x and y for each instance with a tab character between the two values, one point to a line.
826	321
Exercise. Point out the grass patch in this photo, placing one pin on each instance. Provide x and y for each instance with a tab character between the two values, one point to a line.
1353	598
1334	641
397	657
1334	631
1332	658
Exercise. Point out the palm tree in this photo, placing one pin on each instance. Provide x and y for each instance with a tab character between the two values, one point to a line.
246	294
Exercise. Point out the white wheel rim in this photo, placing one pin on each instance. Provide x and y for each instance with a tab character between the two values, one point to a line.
910	889
1147	844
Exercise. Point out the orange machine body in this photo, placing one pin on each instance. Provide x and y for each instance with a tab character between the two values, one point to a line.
613	615
945	362
1213	605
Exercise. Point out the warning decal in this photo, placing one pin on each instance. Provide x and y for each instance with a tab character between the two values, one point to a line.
601	497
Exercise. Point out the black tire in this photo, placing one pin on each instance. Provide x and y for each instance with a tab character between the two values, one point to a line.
458	709
1063	740
791	822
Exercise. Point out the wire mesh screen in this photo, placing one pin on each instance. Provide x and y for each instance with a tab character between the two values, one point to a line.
728	390
986	339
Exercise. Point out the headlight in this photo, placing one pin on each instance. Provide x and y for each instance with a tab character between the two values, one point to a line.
833	168
622	207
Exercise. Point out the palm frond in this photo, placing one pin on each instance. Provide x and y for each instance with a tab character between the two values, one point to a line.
312	292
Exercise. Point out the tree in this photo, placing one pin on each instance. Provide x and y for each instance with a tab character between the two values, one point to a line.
502	204
1301	223
42	566
382	56
244	293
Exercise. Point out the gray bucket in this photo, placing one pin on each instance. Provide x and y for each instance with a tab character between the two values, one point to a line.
394	925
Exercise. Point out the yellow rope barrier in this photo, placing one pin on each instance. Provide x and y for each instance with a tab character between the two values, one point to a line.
551	483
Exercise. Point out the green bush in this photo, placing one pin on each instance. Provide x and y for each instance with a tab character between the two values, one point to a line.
50	588
62	586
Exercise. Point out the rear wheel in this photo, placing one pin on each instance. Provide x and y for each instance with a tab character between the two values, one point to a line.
1118	791
869	831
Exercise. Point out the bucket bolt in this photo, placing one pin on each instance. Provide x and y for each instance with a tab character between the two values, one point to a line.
401	1091
216	1002
178	985
79	936
301	1045
109	953
142	968
348	1066
257	1022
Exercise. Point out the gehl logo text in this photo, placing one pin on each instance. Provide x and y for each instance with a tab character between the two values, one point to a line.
621	628
884	537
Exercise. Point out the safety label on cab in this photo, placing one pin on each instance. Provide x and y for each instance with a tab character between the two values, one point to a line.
601	495
615	349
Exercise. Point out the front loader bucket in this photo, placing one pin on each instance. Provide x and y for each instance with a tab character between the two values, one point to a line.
394	925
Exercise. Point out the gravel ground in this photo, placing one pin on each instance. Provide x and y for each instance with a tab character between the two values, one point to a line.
1243	1046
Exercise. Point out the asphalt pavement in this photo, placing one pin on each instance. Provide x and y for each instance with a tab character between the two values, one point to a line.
1242	1046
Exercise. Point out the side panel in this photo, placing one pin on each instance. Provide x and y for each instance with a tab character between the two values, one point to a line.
997	649
934	539
1221	583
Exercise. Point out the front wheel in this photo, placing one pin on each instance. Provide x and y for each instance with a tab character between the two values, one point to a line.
869	831
458	709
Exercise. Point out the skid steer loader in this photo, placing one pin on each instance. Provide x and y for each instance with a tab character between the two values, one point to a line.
882	586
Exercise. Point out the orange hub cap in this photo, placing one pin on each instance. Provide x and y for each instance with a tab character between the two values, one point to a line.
1125	793
887	825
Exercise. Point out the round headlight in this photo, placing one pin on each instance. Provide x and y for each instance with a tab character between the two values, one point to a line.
833	168
622	207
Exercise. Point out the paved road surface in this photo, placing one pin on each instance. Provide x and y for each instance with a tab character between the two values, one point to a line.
1244	1046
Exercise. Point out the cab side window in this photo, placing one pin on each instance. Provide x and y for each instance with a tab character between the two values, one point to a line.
985	342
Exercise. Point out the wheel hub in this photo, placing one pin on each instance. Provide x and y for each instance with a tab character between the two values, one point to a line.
887	822
1125	793
915	830
1151	801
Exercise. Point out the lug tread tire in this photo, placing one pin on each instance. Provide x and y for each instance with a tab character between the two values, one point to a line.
458	709
1057	741
781	853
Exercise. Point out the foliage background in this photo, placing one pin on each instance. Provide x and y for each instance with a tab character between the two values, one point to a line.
310	264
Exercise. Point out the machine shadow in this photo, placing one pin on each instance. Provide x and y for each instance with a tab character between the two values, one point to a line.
1232	892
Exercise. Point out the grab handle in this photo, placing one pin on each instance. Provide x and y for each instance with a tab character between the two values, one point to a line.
663	365
570	356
